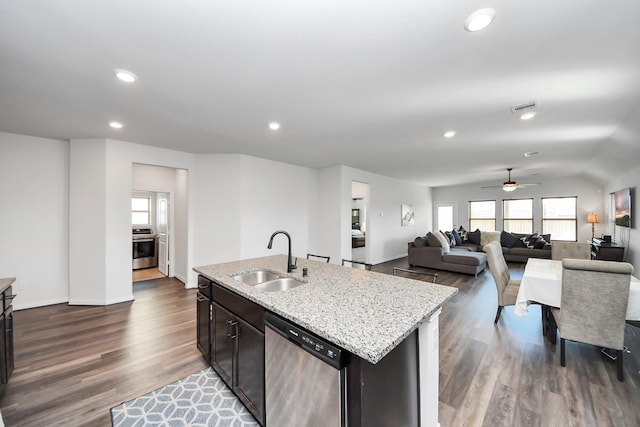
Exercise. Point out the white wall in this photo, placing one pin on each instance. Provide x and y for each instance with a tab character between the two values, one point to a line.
34	219
109	179
241	200
275	196
629	237
589	200
386	238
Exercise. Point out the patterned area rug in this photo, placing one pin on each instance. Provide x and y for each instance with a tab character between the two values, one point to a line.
201	399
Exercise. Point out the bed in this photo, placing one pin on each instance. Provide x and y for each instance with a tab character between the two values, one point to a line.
357	238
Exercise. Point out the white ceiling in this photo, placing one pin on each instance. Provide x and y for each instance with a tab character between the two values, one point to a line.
369	84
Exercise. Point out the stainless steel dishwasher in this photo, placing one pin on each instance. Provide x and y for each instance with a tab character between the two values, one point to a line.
304	377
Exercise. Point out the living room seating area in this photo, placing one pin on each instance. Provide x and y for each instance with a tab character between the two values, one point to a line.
461	252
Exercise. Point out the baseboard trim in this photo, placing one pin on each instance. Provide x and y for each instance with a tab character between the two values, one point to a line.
37	304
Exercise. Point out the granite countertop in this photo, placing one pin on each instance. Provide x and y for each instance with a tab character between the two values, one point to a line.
5	283
366	313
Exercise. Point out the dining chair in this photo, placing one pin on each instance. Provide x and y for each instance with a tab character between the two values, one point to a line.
424	273
318	257
506	286
357	264
575	250
593	305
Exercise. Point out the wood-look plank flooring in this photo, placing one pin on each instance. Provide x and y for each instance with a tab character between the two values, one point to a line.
73	362
146	274
509	375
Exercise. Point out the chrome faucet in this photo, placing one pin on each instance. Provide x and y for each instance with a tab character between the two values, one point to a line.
290	266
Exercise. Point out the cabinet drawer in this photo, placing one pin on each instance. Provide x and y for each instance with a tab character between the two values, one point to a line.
204	286
251	312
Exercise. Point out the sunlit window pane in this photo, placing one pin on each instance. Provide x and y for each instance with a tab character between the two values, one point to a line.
559	218
518	215
140	212
482	215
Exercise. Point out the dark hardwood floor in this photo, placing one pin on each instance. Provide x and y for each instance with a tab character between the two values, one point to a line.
73	362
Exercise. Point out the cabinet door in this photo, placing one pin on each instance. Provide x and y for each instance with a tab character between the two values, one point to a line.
3	351
204	326
223	343
8	341
249	386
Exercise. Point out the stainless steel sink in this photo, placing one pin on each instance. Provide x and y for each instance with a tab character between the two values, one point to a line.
278	285
256	277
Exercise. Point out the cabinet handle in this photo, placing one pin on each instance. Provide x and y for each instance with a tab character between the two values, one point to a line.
201	298
232	326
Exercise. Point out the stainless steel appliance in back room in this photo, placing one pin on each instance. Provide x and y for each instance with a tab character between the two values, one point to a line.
304	377
145	248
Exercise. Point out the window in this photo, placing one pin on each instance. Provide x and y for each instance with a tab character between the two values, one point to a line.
517	216
559	218
140	214
482	215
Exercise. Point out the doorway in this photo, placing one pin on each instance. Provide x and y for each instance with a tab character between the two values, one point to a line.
150	216
360	227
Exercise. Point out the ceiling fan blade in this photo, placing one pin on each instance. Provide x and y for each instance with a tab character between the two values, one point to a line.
492	186
528	185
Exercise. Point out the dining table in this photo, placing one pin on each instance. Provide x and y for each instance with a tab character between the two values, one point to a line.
542	284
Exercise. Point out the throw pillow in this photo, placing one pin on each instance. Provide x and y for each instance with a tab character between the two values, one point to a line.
530	240
457	237
452	241
474	237
507	239
540	243
419	242
432	240
463	234
443	241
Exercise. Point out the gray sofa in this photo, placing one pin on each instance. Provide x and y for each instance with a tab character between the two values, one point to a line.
461	260
513	248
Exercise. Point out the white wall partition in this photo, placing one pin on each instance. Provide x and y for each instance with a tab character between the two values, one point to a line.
387	238
110	180
34	218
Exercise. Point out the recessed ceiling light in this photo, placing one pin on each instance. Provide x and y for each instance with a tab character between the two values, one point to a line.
531	153
274	125
449	133
116	125
528	115
479	20
126	76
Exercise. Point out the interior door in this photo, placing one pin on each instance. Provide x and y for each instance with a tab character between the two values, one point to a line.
163	232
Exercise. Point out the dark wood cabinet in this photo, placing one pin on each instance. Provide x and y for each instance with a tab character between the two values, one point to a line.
236	344
203	325
607	251
203	317
224	324
6	338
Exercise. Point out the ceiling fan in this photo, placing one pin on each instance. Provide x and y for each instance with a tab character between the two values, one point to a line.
509	185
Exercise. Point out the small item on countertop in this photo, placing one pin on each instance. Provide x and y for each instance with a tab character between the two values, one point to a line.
305	272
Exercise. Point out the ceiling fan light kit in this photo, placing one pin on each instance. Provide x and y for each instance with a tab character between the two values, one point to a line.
509	186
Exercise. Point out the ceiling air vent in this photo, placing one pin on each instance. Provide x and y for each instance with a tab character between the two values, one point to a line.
519	109
525	111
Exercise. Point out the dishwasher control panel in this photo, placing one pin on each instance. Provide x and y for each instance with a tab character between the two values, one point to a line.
321	348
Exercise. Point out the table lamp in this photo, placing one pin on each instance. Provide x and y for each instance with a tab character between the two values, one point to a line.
593	218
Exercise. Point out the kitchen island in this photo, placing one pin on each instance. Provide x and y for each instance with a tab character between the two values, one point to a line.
367	314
